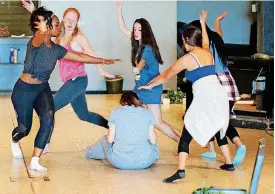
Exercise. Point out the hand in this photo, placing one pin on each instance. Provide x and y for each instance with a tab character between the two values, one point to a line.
136	73
106	74
42	25
111	61
29	6
220	17
148	87
85	145
203	16
118	3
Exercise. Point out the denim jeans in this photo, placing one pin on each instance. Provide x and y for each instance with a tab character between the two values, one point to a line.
73	92
26	97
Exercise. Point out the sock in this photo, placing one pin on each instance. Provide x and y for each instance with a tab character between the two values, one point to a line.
240	155
46	149
178	175
16	150
209	155
228	167
34	165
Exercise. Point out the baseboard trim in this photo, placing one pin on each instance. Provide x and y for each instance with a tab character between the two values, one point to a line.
9	92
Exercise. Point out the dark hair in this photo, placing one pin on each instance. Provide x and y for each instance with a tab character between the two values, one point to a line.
180	27
192	36
46	14
216	42
148	38
129	98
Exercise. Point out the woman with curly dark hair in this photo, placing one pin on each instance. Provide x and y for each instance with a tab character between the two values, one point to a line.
32	90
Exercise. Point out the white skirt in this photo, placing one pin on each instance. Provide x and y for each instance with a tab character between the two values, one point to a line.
209	110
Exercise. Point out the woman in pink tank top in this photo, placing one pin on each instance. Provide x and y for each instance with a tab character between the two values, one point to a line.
73	74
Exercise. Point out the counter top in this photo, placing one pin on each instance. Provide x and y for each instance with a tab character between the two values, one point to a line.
10	40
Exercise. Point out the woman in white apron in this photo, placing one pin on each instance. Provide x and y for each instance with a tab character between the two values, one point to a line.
208	113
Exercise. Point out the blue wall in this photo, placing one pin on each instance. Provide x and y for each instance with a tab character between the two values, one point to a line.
236	25
9	73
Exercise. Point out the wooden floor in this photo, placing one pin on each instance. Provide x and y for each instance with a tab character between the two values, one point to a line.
70	172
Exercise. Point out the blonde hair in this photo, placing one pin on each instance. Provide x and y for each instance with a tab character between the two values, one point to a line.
76	29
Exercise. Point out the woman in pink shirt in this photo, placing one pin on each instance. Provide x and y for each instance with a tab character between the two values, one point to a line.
72	73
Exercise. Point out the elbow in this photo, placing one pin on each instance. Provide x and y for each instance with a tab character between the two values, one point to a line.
153	141
110	139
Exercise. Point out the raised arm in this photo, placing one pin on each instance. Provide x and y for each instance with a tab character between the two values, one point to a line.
84	43
120	20
29	6
83	58
41	34
218	23
205	39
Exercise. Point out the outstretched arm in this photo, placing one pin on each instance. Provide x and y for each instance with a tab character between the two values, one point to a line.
83	58
166	75
121	23
84	43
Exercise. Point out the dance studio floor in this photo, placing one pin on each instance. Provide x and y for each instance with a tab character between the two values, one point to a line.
71	173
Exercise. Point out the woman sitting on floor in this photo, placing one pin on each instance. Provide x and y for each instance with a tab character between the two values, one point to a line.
131	141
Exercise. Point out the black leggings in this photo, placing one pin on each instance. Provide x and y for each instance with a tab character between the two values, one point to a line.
186	139
25	98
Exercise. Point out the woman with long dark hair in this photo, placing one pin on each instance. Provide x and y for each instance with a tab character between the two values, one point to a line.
145	61
32	90
208	114
218	50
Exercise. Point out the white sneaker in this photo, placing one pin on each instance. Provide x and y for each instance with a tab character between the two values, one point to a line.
16	150
34	165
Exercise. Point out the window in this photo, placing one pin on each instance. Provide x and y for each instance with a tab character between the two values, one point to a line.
14	16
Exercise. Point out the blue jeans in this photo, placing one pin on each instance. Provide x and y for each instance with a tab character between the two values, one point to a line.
73	92
26	97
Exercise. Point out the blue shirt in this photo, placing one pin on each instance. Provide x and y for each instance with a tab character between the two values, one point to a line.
131	143
151	68
40	61
147	73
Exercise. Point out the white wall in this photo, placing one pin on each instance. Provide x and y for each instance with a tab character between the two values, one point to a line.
99	22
